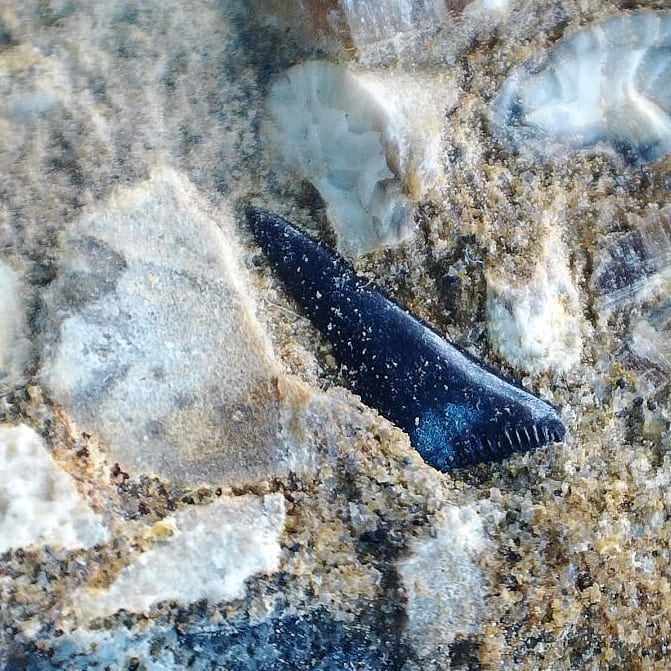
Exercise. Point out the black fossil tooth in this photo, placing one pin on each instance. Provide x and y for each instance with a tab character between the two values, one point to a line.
455	411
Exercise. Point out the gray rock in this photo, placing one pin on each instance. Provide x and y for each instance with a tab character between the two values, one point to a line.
14	346
152	341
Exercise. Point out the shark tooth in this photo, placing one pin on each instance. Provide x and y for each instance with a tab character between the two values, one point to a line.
455	410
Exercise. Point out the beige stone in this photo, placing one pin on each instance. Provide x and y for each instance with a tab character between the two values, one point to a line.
153	341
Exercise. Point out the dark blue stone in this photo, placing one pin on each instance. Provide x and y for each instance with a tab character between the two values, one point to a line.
314	641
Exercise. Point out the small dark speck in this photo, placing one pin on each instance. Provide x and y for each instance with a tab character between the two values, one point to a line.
464	654
257	260
117	472
469	239
584	580
511	517
7	38
512	556
377	536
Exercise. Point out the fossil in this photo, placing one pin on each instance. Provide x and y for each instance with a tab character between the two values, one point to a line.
455	411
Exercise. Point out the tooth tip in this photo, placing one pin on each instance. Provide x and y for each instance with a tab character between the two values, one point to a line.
555	428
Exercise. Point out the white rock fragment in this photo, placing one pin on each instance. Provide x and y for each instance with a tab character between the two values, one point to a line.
13	344
607	83
39	503
368	141
213	550
152	341
374	20
487	10
443	583
537	325
493	6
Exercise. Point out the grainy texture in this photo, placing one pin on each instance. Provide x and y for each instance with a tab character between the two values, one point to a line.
150	339
576	569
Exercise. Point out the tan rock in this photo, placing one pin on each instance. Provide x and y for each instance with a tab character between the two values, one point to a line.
153	342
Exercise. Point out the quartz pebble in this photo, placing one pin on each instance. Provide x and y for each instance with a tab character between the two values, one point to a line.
606	84
536	324
368	141
220	545
39	503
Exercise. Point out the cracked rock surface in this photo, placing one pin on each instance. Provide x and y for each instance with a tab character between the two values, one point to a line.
186	481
